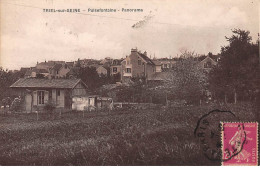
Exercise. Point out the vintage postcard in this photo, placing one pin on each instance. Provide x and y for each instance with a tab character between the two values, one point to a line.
129	82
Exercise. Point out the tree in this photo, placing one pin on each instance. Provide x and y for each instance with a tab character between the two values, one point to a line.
91	78
237	72
186	81
7	78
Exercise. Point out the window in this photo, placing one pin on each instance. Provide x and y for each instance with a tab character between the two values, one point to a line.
57	72
40	95
58	92
128	62
207	64
114	69
139	62
128	70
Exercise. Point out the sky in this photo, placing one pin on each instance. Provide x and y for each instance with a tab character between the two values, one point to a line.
165	28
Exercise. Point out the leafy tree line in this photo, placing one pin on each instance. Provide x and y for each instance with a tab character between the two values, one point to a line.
237	74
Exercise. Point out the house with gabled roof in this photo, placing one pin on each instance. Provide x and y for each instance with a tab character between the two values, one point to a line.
137	64
101	70
59	70
36	93
207	62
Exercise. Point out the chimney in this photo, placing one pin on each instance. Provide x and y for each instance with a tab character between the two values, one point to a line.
133	50
145	53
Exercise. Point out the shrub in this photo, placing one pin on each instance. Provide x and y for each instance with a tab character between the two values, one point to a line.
49	107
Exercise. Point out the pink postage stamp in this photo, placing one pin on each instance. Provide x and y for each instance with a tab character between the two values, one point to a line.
239	143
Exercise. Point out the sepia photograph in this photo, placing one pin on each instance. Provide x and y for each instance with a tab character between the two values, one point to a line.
129	83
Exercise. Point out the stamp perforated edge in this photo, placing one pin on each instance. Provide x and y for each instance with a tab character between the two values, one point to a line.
257	138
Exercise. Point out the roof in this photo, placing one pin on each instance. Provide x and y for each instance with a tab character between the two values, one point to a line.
56	67
213	57
157	63
116	62
24	69
46	83
147	59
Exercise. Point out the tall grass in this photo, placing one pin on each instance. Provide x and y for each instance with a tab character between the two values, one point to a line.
131	137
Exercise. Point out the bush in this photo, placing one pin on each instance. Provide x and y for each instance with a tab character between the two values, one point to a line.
49	107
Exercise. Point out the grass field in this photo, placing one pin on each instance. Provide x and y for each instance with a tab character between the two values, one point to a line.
133	137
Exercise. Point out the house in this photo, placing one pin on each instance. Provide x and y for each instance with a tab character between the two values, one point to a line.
59	70
115	67
36	93
207	62
164	63
137	64
101	70
158	66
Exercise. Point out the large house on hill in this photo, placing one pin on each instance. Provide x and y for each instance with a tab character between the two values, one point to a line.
36	93
137	64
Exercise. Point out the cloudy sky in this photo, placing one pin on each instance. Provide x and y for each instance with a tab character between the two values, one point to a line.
29	35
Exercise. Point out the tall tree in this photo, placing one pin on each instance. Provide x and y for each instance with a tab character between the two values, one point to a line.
237	73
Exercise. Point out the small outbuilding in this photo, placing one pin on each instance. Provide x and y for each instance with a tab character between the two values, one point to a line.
36	93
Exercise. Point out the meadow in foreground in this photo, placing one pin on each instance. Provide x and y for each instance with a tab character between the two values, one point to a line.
129	137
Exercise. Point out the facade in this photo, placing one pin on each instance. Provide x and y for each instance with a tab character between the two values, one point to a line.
115	67
207	63
101	70
36	93
158	66
137	64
